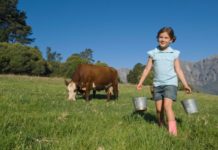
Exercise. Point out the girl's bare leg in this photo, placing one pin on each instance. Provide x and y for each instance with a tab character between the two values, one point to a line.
170	116
160	112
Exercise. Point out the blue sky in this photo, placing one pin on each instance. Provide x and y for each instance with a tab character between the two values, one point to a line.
120	32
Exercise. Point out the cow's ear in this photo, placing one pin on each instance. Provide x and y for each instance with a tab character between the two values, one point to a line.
66	82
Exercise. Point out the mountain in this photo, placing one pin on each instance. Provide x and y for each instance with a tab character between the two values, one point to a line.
203	75
123	72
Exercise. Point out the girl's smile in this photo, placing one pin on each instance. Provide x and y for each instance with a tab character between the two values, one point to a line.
164	40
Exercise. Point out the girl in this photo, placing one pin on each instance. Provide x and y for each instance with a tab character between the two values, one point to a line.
166	66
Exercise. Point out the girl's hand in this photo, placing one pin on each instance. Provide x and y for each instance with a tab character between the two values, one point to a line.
139	87
188	89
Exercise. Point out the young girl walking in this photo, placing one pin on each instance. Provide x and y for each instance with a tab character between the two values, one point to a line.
166	66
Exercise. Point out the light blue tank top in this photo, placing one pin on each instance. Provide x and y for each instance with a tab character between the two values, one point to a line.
163	65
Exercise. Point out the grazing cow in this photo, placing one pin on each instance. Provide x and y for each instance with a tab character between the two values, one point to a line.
89	77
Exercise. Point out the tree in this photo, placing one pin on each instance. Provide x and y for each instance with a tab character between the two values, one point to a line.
54	62
135	75
53	56
13	27
87	54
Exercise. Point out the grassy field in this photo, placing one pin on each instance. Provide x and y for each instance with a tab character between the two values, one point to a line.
35	114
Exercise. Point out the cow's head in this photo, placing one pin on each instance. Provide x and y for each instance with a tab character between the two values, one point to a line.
71	88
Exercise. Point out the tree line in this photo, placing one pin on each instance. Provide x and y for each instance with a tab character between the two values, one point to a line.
21	59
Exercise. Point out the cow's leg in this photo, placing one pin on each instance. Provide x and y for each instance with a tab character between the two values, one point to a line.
94	93
108	94
115	91
87	93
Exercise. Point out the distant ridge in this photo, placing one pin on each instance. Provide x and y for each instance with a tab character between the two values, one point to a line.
203	75
123	72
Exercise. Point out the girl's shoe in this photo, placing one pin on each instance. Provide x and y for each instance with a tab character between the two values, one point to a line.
172	127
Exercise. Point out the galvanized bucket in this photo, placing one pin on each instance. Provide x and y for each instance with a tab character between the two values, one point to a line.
190	106
140	103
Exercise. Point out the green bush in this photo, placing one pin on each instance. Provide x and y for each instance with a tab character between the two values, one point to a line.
20	59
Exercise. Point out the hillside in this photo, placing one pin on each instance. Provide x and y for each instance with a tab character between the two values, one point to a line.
203	75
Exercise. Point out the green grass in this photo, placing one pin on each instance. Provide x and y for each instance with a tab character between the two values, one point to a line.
35	114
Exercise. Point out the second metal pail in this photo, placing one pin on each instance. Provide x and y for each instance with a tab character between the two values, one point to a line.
190	106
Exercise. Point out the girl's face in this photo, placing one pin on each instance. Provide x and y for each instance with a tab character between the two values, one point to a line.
164	40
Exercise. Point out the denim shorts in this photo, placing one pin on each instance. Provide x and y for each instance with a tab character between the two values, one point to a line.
165	91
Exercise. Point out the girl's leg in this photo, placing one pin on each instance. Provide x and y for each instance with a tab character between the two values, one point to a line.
170	116
160	112
169	110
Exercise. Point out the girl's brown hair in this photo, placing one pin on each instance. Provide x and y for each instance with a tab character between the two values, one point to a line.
170	32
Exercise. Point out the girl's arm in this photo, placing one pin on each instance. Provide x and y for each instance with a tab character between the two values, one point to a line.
145	73
181	76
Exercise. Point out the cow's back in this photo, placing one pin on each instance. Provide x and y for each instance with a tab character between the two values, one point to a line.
94	74
103	75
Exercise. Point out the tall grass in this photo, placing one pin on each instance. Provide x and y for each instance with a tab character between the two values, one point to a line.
35	114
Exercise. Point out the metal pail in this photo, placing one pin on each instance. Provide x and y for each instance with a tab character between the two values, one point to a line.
140	103
190	106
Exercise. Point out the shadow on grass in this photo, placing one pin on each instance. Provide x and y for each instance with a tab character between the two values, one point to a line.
97	97
148	117
138	116
103	97
178	120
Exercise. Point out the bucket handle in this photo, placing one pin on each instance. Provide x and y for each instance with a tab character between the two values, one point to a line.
138	93
184	93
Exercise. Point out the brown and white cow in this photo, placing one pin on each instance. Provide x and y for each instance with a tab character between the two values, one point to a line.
89	77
